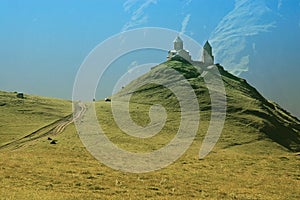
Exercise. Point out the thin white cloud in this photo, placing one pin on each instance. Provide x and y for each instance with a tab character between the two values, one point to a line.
129	4
137	10
254	47
132	65
248	18
187	2
279	4
184	23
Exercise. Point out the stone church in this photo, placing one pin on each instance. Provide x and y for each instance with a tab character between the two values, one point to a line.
179	53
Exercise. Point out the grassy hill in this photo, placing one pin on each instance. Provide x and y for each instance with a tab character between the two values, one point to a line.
254	117
255	158
23	116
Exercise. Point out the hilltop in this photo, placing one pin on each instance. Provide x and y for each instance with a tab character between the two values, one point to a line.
247	110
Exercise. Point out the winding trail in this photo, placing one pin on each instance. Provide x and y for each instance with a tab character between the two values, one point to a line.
54	128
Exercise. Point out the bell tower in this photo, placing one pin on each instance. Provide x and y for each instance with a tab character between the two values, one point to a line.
207	57
178	43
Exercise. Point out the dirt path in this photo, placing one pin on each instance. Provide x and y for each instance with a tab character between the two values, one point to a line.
50	129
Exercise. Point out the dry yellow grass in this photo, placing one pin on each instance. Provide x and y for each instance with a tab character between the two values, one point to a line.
20	117
258	170
245	164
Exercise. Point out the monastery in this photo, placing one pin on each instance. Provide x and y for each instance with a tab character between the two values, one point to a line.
179	53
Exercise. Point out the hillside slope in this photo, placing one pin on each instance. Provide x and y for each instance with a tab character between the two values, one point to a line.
248	111
245	164
20	117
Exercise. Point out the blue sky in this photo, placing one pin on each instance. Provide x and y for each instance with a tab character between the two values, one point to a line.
43	43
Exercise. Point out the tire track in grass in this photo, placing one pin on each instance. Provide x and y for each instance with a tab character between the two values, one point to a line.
53	128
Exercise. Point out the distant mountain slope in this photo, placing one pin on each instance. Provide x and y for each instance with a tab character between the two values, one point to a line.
247	110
